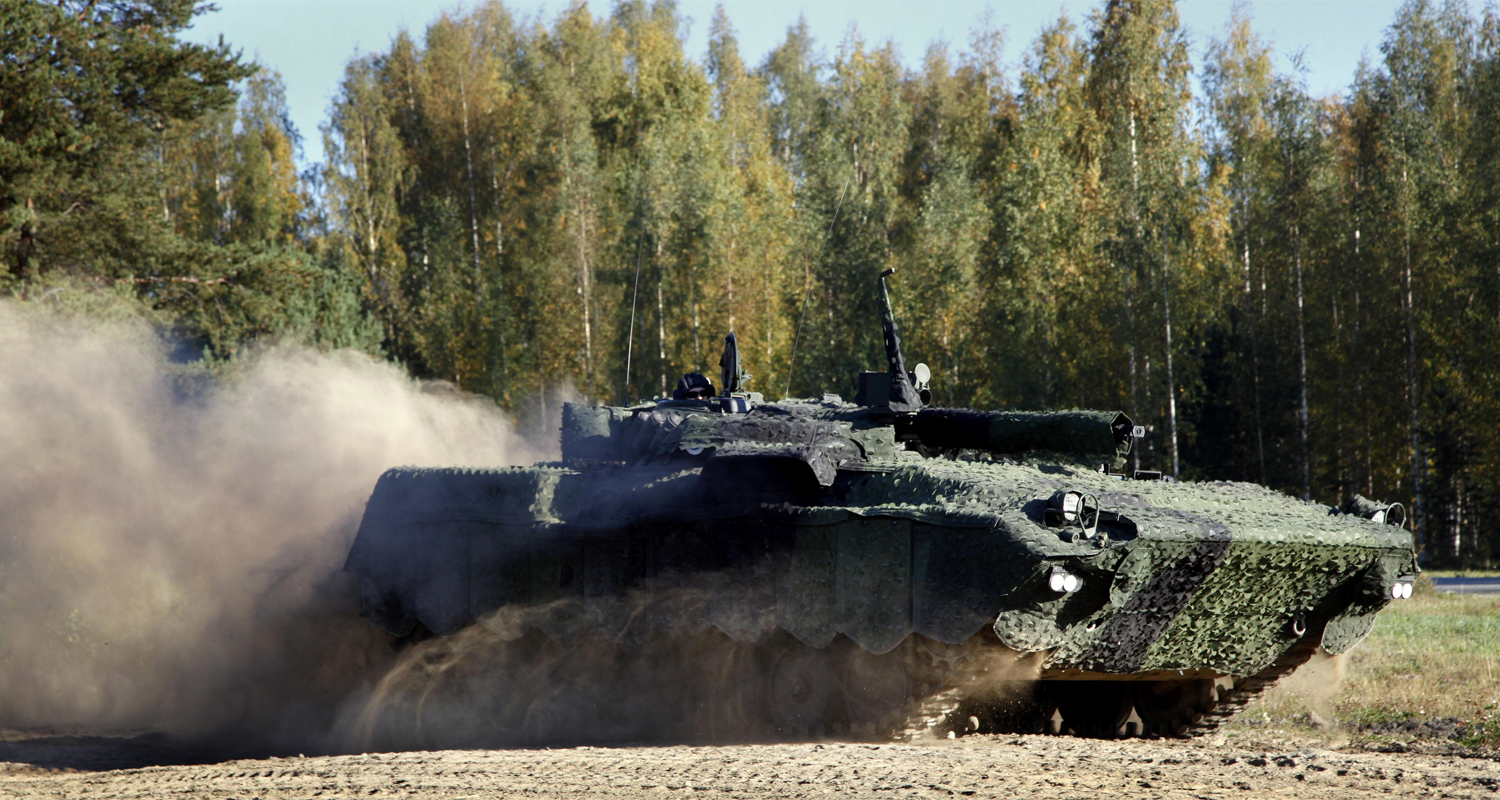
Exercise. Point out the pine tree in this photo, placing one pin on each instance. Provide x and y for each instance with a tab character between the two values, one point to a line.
90	86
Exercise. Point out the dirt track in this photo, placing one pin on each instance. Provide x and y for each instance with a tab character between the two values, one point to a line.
1028	766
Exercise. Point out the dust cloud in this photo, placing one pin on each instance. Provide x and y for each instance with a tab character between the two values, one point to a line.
1311	689
647	664
171	546
683	658
475	689
1002	693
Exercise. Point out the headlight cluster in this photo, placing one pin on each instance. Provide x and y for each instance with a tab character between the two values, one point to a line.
1063	581
1401	589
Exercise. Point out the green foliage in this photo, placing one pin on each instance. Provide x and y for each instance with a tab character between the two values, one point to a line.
128	174
86	85
1483	730
1281	288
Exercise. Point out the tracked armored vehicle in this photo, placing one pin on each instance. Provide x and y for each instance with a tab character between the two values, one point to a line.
881	565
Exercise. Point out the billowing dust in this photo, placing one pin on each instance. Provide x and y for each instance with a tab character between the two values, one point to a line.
1309	690
680	658
475	689
171	546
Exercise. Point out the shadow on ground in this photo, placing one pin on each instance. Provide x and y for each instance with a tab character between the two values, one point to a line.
103	753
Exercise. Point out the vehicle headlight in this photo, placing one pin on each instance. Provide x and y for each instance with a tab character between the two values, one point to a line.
1063	581
1401	589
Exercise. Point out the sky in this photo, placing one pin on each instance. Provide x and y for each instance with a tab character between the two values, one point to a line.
309	41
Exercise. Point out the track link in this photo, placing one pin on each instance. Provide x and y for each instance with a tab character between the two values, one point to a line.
929	716
1246	691
934	714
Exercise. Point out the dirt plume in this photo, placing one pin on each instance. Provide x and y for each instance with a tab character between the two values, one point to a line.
694	657
644	665
171	547
679	658
1309	690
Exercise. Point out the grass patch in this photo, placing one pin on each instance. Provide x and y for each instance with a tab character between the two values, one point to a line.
1462	573
1430	667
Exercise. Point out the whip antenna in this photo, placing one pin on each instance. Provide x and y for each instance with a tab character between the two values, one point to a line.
634	293
808	295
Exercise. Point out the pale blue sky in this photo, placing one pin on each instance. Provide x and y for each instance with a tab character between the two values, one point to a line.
309	41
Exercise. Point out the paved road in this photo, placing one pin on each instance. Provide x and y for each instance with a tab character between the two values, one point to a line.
1468	585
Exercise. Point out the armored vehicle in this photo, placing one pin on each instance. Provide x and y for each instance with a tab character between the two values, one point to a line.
882	565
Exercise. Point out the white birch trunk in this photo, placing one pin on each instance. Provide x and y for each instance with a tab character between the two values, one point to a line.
661	325
1301	364
1135	394
469	165
1419	522
1260	436
1166	304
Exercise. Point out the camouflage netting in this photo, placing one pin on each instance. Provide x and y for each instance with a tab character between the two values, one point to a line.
1219	576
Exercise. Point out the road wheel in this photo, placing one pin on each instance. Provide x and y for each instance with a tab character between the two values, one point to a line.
801	689
1096	709
876	689
1169	708
733	706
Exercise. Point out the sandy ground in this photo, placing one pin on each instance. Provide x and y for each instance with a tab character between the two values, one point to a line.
1003	766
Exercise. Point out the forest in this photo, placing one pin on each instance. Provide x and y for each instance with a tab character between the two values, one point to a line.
1294	290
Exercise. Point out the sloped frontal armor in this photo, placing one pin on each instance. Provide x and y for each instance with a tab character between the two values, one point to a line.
825	521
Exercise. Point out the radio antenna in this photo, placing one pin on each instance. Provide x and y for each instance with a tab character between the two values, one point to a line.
824	244
635	292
